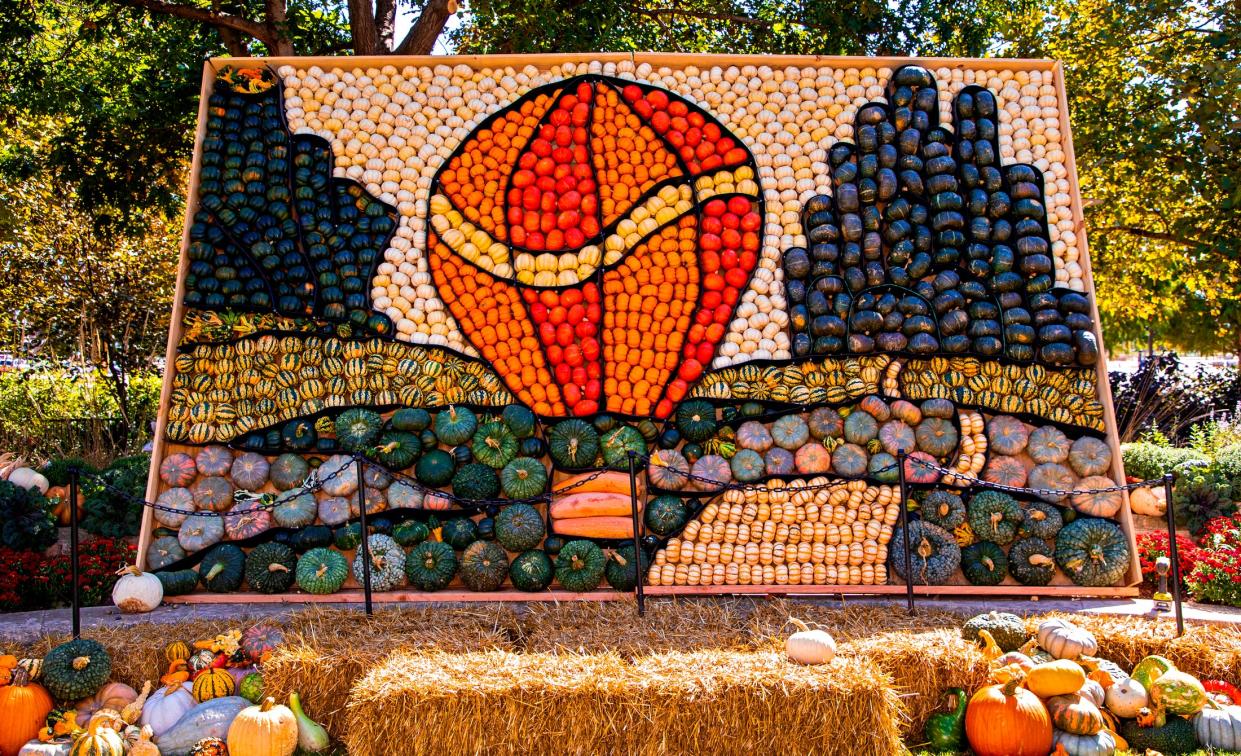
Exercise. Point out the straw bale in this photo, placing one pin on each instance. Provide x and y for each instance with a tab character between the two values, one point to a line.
327	649
614	626
499	702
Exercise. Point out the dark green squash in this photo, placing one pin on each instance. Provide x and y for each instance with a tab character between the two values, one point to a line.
435	468
984	563
494	445
1041	520
299	435
412	420
519	527
484	565
410	533
523	478
935	554
476	481
623	569
270	568
531	571
519	420
178	582
696	420
455	425
487	528
1031	562
573	444
1175	736
943	508
321	571
348	536
459	532
397	450
553	544
580	566
311	537
430	566
618	442
603	422
534	447
665	515
357	428
994	516
223	568
1093	552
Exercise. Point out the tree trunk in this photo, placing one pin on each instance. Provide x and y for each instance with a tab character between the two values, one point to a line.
362	27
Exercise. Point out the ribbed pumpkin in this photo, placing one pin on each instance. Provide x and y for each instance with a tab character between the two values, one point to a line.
1090	456
812	459
1048	444
573	444
357	428
1004	471
484	565
1040	520
1102	743
994	516
455	425
860	427
754	435
747	466
580	566
897	436
249	471
1007	720
984	563
213	683
943	508
24	705
1093	552
1031	562
1052	477
430	566
523	478
114	695
1075	714
790	432
711	472
247	520
269	567
267	729
213	460
178	470
519	527
696	420
1007	435
667	470
849	460
826	422
288	471
779	461
1100	504
1219	728
76	669
937	436
1064	640
321	571
387	563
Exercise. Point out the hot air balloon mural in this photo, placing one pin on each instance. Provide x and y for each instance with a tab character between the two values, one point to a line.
592	240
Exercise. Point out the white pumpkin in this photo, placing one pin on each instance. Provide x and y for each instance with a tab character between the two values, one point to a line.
807	646
1092	691
1126	698
28	478
137	592
35	748
1064	640
166	706
1219	728
1149	502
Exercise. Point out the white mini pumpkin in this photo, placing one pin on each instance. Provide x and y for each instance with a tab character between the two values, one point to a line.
28	478
807	646
1220	728
137	592
166	706
1126	698
1064	640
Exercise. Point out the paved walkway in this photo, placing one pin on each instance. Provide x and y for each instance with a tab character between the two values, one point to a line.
25	626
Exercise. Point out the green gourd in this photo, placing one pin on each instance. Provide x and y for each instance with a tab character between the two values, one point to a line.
984	563
397	450
531	571
357	428
523	478
484	565
494	445
387	563
994	516
1093	552
455	425
943	508
476	480
618	442
573	444
580	566
1031	562
76	669
935	554
411	420
1040	520
945	730
623	569
410	533
321	571
459	532
519	420
270	567
519	527
178	582
435	468
696	420
251	687
223	568
430	566
790	432
665	515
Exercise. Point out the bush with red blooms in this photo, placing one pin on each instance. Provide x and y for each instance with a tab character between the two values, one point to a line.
1222	533
1154	544
1216	577
30	580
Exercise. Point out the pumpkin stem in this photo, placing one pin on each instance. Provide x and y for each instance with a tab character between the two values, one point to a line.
321	571
925	549
996	517
131	569
277	567
1041	560
81	663
989	563
1010	687
1096	554
799	624
573	447
267	704
216	569
1038	515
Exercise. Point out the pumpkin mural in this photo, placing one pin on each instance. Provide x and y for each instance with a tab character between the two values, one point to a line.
490	283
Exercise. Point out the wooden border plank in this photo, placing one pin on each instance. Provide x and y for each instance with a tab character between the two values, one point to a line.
174	325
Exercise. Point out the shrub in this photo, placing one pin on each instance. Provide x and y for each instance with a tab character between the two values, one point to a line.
1228	463
26	522
113	505
1165	396
1147	461
1217	577
1154	544
31	581
1201	494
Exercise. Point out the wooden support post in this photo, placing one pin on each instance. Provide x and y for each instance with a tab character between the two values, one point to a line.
909	567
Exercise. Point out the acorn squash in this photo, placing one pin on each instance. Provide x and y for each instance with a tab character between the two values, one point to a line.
519	527
531	571
696	420
573	444
430	566
484	565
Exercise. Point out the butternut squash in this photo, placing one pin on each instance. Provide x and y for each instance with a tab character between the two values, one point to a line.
606	482
596	527
592	505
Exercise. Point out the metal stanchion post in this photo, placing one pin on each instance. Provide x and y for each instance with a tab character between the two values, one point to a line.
366	541
637	536
74	486
909	569
1172	552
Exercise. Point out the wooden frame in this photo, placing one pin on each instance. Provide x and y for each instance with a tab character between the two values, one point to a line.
161	447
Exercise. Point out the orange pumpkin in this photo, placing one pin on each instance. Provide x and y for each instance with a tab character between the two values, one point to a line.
1008	720
59	496
23	708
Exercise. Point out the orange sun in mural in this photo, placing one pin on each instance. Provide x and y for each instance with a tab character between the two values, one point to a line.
592	240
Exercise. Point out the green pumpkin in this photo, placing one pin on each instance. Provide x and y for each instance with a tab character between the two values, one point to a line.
534	447
1006	629
223	568
523	478
936	436
430	566
455	425
311	537
995	516
178	582
943	508
76	669
861	428
603	422
696	421
747	466
357	428
397	450
459	532
1175	736
623	569
347	537
476	481
435	468
269	567
288	471
411	533
321	571
580	566
487	528
519	420
387	563
665	515
494	445
1093	552
295	508
573	444
553	544
251	687
1031	562
411	420
935	554
299	435
519	527
618	442
531	571
984	563
484	565
1041	520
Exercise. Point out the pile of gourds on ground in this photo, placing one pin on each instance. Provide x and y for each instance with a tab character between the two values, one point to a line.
210	702
1051	694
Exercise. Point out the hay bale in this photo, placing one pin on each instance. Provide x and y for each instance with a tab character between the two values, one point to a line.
614	626
769	620
701	702
327	649
1206	651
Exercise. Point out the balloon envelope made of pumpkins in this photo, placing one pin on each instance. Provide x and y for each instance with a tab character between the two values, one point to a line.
592	240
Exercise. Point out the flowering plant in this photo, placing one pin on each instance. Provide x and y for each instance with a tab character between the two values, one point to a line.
1217	577
1222	533
30	580
1154	544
